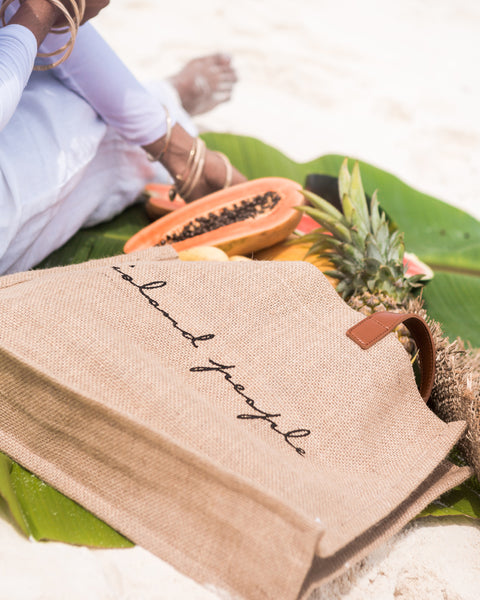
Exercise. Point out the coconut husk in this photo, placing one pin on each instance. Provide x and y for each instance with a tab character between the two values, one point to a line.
456	390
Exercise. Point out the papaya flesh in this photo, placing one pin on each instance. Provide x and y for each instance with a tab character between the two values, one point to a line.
161	199
239	220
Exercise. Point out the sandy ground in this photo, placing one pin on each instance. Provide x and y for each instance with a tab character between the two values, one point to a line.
395	84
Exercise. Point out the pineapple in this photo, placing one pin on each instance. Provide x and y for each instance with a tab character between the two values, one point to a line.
367	255
365	250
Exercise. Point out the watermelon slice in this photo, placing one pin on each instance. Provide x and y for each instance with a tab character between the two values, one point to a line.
306	224
416	267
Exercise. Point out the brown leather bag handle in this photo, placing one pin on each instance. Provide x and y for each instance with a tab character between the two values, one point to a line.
369	331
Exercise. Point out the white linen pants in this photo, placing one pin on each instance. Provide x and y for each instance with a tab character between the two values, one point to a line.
63	168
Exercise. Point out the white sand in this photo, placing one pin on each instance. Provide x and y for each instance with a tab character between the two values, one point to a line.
395	84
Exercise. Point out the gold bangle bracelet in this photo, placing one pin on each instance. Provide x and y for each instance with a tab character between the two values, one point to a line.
197	168
168	137
186	182
184	176
190	170
228	169
78	9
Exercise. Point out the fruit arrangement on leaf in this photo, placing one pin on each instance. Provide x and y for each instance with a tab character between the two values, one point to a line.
239	220
375	273
365	250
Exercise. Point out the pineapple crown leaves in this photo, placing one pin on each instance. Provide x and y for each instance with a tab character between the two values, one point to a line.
364	247
354	201
329	223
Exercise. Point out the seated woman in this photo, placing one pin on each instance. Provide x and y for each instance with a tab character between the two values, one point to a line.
80	140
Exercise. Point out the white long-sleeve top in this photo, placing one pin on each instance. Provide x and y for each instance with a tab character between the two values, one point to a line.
93	71
18	48
70	140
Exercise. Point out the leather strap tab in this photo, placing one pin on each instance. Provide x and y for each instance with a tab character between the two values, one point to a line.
368	332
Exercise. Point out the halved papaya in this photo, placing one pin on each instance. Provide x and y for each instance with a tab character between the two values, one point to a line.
161	199
239	220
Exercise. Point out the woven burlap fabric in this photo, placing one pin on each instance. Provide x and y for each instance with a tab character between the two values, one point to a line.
217	414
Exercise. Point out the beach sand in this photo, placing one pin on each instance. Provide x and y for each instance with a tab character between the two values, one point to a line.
395	84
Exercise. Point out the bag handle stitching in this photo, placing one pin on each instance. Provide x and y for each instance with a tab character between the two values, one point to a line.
417	327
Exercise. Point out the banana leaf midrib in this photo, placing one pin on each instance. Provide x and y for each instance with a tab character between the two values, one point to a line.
455	270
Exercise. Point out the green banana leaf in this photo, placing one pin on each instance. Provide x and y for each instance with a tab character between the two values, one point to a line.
44	514
463	501
444	237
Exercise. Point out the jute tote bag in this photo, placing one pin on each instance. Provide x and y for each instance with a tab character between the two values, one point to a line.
220	415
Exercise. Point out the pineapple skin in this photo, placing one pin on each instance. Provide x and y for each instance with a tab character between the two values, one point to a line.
369	303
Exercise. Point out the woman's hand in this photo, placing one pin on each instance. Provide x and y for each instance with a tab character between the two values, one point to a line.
36	15
92	8
215	171
41	15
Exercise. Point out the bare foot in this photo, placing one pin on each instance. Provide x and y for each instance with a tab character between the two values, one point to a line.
205	82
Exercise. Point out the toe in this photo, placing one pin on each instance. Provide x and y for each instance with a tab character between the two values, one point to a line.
224	64
224	76
206	82
223	59
229	77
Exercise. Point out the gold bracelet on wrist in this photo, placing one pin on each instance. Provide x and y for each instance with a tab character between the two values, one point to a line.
179	178
168	137
228	170
197	168
73	23
186	182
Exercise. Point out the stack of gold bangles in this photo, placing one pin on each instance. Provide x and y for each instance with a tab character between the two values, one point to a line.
185	182
73	19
